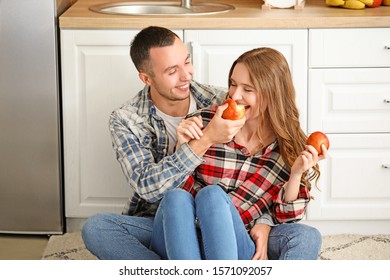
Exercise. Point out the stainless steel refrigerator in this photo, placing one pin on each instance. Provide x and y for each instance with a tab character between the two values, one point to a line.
31	200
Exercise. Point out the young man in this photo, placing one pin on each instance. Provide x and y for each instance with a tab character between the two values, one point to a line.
144	138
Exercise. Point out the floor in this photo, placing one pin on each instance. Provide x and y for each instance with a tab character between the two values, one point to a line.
22	247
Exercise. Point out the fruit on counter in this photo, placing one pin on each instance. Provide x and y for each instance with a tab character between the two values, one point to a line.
372	3
356	4
316	139
233	111
334	3
376	3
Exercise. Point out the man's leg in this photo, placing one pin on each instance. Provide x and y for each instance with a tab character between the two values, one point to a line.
112	236
294	241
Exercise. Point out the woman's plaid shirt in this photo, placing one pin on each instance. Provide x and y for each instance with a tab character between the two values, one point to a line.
255	183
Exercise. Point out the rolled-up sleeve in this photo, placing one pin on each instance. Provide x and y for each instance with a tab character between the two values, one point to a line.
293	211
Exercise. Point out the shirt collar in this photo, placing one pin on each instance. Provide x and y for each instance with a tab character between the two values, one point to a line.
203	96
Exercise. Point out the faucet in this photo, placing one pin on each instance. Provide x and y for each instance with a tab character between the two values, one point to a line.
186	4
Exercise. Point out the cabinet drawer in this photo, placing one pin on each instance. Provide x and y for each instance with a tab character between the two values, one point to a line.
354	180
349	100
363	47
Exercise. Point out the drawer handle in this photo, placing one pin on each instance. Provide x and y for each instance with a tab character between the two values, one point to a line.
386	165
387	48
386	101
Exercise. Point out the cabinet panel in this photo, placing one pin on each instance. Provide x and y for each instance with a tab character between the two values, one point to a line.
353	47
214	51
349	100
355	179
98	76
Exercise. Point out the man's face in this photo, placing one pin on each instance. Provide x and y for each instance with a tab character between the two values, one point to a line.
172	71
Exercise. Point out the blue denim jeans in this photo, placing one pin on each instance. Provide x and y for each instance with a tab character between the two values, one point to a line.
115	236
112	236
221	234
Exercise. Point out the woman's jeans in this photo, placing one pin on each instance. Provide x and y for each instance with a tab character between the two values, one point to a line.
221	234
115	236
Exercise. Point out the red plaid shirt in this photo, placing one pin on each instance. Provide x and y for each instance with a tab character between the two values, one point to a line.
255	183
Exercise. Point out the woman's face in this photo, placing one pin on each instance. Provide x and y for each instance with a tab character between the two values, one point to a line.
244	92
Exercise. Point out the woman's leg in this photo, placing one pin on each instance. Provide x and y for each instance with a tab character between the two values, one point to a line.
223	233
174	234
119	237
294	241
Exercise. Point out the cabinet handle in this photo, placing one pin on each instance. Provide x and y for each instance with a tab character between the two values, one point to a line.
386	101
387	48
386	165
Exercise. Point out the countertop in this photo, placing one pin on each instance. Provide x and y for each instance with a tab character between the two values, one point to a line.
248	14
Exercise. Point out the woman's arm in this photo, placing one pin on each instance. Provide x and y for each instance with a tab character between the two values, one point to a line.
303	163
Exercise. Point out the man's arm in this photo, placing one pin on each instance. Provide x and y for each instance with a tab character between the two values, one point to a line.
132	142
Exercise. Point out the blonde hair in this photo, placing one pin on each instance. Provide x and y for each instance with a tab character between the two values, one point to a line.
270	74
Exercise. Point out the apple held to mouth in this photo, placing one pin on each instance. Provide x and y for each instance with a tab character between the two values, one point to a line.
316	139
233	111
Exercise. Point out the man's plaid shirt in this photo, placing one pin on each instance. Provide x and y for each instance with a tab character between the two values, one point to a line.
255	183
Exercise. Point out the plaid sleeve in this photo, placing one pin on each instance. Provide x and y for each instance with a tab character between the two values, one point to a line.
133	144
263	192
294	211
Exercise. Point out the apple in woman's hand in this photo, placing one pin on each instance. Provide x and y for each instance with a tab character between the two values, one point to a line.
316	139
233	111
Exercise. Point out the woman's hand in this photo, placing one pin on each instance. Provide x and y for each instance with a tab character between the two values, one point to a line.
189	129
307	160
259	234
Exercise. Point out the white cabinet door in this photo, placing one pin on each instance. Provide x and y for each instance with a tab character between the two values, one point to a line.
355	179
214	51
97	76
352	100
349	47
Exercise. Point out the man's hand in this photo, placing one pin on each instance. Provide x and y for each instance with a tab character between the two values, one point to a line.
260	234
220	130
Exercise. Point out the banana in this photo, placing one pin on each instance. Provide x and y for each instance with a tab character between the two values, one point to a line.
335	3
386	2
354	4
367	2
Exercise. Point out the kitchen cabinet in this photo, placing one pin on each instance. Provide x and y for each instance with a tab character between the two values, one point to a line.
214	51
97	77
349	99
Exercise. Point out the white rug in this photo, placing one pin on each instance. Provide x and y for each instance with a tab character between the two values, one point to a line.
70	246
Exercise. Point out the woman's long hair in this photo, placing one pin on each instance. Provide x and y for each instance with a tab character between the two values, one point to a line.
270	75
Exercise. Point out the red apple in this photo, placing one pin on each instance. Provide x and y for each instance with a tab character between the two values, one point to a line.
233	111
375	3
316	139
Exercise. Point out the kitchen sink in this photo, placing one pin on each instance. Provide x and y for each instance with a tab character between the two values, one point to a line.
183	8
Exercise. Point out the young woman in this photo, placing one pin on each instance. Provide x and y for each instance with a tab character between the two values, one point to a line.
260	178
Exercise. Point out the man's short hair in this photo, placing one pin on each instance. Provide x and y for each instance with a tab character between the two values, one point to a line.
147	38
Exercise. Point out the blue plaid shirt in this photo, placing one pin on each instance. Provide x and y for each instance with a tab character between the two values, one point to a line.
140	142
